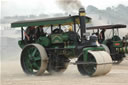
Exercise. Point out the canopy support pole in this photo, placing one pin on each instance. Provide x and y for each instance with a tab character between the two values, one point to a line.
51	28
74	25
59	28
22	33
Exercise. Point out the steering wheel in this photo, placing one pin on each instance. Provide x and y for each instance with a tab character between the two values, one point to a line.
56	31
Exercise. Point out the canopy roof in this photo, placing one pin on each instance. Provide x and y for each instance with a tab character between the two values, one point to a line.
49	21
117	26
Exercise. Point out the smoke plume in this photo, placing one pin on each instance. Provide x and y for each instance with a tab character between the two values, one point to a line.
69	6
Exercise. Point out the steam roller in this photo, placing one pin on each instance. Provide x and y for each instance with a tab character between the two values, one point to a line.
52	51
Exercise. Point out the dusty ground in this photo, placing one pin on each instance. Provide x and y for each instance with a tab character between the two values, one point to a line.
12	74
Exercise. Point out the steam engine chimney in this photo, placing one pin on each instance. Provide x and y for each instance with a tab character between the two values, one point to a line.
82	23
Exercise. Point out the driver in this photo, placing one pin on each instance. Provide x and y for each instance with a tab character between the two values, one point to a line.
102	35
39	32
29	34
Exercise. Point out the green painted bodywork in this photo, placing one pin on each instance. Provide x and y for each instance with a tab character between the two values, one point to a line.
85	51
44	41
67	51
70	53
21	44
123	49
116	38
105	42
120	44
49	21
59	38
56	38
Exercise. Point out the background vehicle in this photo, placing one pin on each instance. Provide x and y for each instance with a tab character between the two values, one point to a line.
115	45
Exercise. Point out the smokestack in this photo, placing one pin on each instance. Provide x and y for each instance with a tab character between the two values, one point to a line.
82	23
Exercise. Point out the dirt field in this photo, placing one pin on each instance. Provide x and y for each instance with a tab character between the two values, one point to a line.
12	74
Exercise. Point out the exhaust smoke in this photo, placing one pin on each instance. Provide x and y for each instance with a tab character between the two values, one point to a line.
69	6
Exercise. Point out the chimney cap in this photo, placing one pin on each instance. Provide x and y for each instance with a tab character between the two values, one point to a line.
81	10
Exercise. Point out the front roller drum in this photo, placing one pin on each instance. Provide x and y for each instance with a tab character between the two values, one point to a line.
34	59
97	63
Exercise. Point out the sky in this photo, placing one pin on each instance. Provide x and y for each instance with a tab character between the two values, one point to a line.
36	7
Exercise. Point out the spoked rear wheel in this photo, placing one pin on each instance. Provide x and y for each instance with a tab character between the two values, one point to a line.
98	63
34	59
